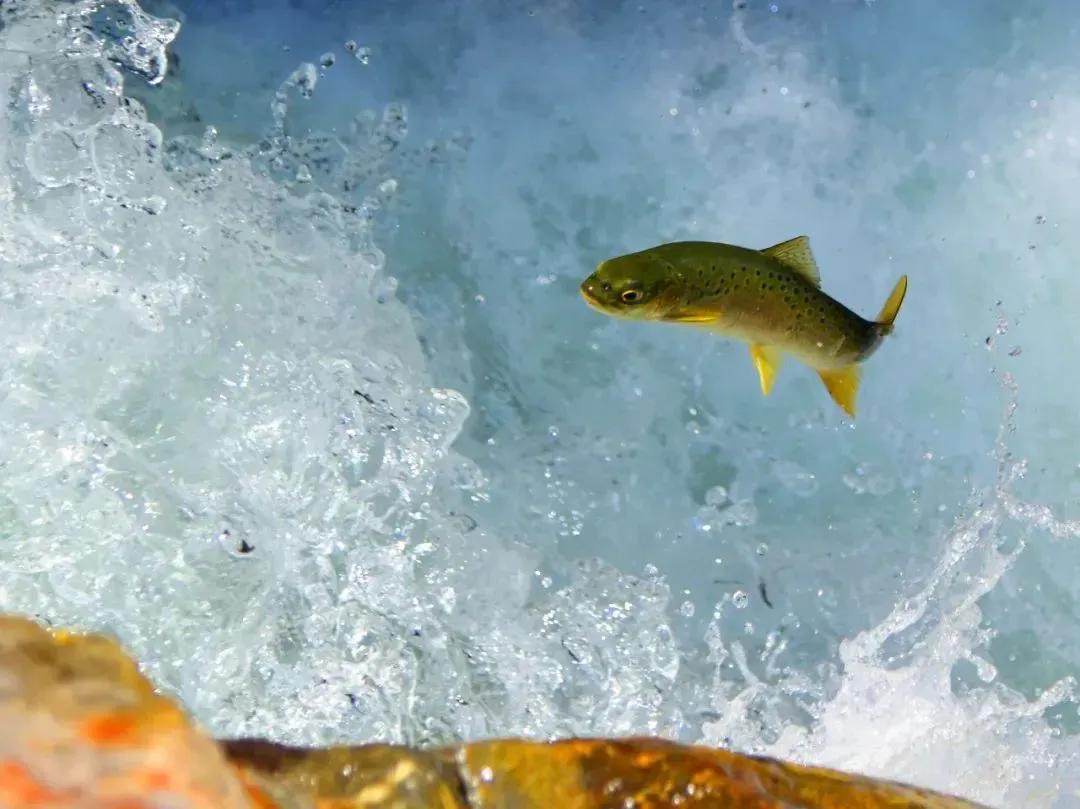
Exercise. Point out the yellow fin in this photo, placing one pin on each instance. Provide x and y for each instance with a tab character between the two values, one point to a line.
843	387
696	317
795	254
767	361
892	305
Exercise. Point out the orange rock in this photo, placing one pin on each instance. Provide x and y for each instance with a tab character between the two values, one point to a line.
572	774
83	728
382	776
650	773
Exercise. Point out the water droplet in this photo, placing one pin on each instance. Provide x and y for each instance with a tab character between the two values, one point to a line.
350	46
306	79
487	775
687	609
762	549
716	496
613	786
740	599
327	60
363	55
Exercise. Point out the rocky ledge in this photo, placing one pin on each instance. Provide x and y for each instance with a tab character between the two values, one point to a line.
82	727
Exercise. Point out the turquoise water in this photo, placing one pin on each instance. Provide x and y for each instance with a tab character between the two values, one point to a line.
302	403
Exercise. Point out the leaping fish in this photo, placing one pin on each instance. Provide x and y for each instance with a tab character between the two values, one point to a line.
771	299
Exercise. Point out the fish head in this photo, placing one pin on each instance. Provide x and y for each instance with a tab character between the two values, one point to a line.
639	286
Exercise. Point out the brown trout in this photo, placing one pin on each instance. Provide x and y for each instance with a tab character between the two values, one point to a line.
771	299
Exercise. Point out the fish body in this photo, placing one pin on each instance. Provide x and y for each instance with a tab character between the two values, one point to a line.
771	299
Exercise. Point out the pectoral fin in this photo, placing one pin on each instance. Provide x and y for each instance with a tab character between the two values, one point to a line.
695	318
843	387
767	361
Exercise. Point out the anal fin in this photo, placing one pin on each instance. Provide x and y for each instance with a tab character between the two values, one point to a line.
843	387
767	361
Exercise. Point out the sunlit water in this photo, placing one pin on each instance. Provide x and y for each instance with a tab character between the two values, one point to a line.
299	399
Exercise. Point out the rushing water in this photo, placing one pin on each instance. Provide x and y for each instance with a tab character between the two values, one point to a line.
300	401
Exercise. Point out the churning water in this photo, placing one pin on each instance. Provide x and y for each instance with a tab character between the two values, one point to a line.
299	400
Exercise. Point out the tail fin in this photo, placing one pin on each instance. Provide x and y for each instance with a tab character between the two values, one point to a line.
889	311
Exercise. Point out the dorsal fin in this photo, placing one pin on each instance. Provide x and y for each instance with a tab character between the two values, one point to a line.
796	256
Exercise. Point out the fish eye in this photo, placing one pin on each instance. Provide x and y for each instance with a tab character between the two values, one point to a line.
631	296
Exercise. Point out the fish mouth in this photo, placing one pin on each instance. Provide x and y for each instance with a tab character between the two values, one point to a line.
586	292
